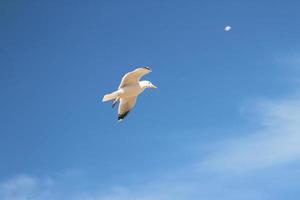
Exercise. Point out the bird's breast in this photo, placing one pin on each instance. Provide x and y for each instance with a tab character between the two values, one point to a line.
130	91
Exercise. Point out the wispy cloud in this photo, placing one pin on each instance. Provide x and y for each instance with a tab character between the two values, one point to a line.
24	187
291	60
276	142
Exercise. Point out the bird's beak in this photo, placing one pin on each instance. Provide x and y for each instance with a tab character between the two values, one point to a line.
153	86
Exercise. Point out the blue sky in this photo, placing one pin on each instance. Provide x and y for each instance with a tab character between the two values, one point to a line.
223	124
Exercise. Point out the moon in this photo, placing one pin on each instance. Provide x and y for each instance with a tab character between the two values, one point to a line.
227	28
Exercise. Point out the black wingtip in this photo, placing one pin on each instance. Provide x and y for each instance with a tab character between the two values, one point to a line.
122	116
147	68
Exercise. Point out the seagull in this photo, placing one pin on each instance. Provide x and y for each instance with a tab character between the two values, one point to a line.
128	91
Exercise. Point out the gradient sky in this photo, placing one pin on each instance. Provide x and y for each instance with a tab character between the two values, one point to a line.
224	123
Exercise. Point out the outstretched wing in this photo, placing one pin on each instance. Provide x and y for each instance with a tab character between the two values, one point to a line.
125	106
134	76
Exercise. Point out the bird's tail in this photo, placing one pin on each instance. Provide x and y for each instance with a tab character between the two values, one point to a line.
110	96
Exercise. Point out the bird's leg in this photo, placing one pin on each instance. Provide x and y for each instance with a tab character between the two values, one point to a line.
115	102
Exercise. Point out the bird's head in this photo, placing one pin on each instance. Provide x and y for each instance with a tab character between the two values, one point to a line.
147	84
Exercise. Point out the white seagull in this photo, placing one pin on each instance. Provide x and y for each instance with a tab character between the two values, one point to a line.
128	91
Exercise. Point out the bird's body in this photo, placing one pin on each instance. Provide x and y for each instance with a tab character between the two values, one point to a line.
128	91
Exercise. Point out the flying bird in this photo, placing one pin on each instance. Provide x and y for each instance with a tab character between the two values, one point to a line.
128	91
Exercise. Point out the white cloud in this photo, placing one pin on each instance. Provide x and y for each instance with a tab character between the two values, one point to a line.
277	141
291	60
24	187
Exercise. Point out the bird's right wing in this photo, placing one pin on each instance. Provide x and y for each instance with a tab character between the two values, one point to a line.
125	106
134	76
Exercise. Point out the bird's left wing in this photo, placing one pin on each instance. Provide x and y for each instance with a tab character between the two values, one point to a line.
125	106
134	76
